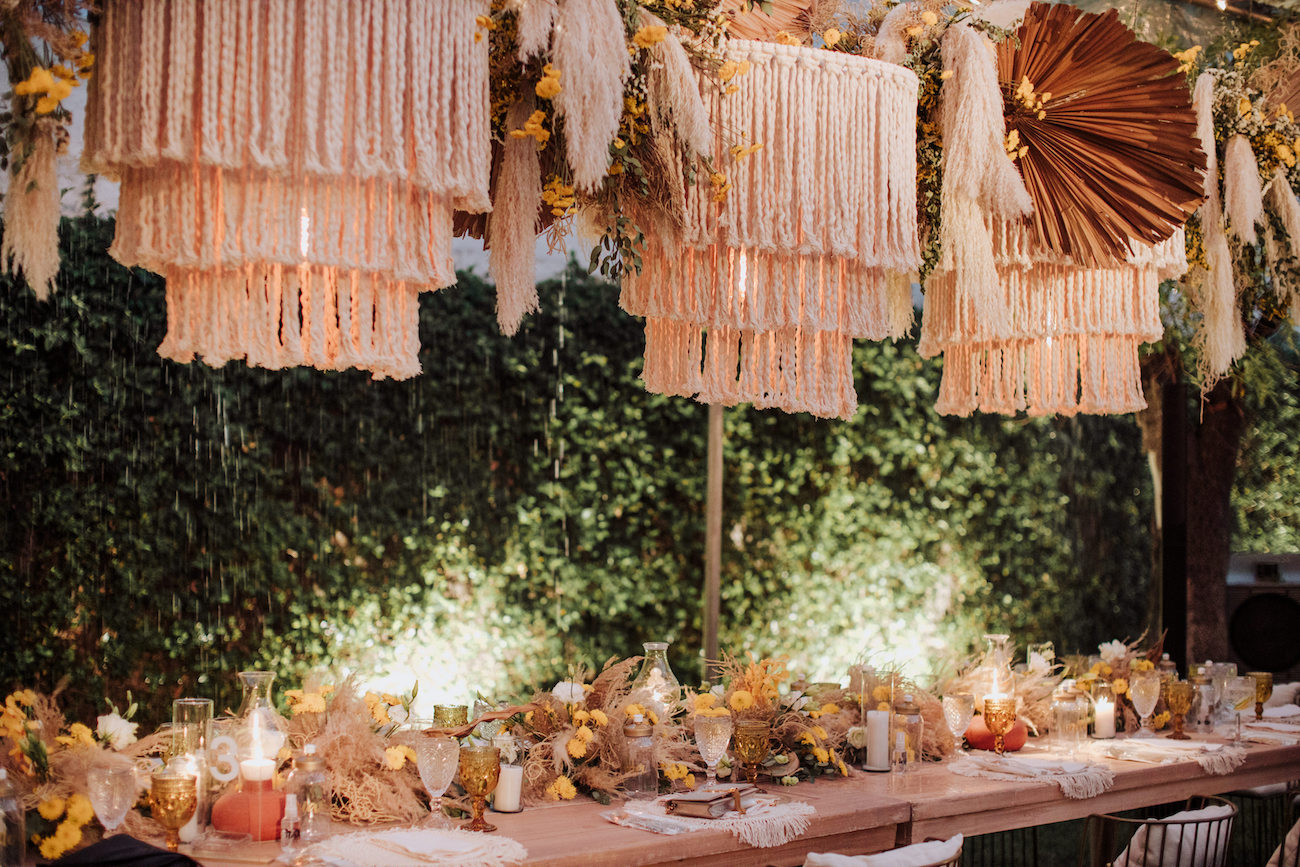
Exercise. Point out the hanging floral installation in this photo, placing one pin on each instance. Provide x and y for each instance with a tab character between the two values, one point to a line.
1250	221
46	57
291	169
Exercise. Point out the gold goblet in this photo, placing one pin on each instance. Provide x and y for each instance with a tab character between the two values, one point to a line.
450	716
172	800
480	767
999	717
1179	700
752	740
1263	690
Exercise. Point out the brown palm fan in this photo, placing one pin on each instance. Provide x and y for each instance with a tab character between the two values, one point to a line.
1106	133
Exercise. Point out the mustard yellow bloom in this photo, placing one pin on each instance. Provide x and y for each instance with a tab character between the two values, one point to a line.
585	733
830	707
40	81
80	810
704	701
819	732
832	37
741	699
79	734
1244	107
633	709
820	754
1120	685
394	758
581	716
727	71
600	718
929	18
562	789
50	848
577	747
51	808
689	781
68	835
651	34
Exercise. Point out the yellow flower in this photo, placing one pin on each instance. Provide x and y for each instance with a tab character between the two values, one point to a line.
561	790
51	808
68	835
394	758
741	699
549	86
79	809
704	701
1285	154
727	71
884	705
929	18
654	719
820	754
915	31
844	771
78	734
880	693
577	747
40	81
1140	665
819	732
1120	685
807	738
50	848
651	34
586	734
581	716
830	707
633	709
380	714
831	37
1160	719
784	38
1244	107
689	781
600	718
46	104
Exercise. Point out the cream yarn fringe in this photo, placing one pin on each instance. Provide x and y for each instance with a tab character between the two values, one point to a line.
1090	782
763	827
256	142
31	231
797	261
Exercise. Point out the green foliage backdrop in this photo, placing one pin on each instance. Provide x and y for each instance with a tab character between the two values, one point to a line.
520	507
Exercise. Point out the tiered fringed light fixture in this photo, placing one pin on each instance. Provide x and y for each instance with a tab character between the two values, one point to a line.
813	245
291	168
1046	315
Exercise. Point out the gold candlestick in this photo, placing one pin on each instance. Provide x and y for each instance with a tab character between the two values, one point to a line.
172	800
480	768
1263	690
752	741
999	717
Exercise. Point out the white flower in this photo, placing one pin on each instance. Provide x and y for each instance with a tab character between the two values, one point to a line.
857	737
1038	663
1112	651
569	692
115	731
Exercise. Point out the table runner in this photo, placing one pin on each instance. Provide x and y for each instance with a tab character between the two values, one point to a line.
419	847
1216	759
1076	780
763	827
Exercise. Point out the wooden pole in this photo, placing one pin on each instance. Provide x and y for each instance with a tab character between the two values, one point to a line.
1173	524
713	543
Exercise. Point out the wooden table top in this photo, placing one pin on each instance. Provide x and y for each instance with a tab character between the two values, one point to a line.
866	813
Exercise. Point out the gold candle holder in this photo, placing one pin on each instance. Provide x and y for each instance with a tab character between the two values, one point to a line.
450	716
1179	700
480	767
1263	690
752	741
173	798
999	717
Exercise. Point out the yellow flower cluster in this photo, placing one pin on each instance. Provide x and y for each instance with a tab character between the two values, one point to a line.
581	716
1245	108
674	771
829	708
1139	665
379	705
558	196
928	19
1187	59
1034	102
741	699
396	757
562	789
79	734
731	69
706	704
51	86
634	708
739	152
484	22
1120	685
549	86
533	128
1102	669
76	812
651	34
1160	720
310	702
832	37
580	743
784	38
1242	51
13	721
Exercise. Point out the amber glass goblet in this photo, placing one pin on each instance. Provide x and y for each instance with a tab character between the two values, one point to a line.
1179	700
999	716
480	767
173	799
1263	690
752	741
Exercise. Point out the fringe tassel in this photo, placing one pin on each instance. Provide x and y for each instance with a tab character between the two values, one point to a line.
1221	762
672	85
536	20
512	225
592	57
1243	196
31	231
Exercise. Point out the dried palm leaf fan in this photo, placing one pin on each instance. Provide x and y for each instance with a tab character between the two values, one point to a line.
1107	120
1023	326
753	19
813	245
291	168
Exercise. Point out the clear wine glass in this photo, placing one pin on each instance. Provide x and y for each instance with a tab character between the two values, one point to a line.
437	759
1239	696
1144	692
1220	672
958	709
113	790
712	734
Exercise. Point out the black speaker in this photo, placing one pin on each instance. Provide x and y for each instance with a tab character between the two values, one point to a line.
1264	628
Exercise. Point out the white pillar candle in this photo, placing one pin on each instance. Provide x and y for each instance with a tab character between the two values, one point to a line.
255	770
1105	722
877	740
509	786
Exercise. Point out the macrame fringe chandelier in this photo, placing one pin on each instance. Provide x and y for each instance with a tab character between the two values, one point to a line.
814	245
291	168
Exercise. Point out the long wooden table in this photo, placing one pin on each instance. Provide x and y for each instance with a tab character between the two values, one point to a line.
867	813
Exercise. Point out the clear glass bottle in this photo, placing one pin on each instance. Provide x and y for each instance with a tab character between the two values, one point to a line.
909	728
1068	714
291	841
655	684
310	784
1000	680
643	784
1204	696
13	825
258	716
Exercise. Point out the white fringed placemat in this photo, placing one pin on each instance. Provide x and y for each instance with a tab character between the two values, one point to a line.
1216	759
1077	780
418	847
763	827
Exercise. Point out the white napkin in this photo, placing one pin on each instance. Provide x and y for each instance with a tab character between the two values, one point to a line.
917	855
1274	726
418	847
1282	711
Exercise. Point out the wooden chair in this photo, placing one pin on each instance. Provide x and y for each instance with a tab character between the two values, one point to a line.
909	855
1196	837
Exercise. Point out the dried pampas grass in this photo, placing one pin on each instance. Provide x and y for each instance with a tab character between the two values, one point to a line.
1243	197
675	95
31	230
512	225
536	19
590	51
